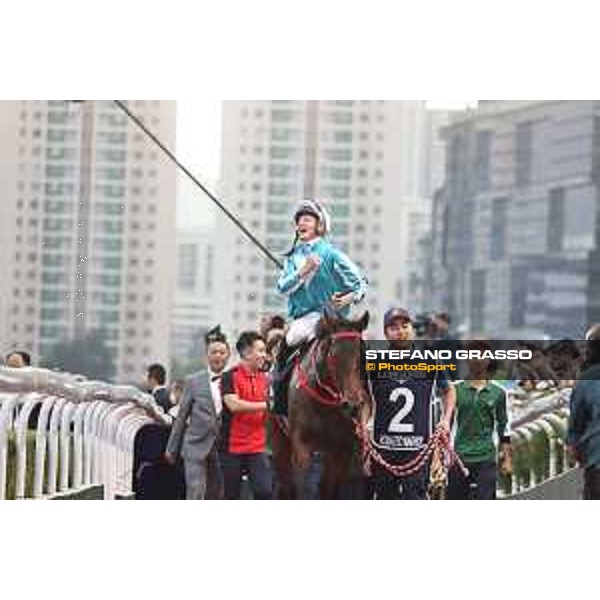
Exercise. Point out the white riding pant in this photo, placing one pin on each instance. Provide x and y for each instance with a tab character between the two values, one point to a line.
302	329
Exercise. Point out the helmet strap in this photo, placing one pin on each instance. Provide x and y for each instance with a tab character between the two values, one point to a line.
291	250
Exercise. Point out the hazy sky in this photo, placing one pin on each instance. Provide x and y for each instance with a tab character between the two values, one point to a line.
199	136
199	148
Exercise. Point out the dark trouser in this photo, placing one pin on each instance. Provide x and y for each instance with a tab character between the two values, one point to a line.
591	487
356	487
313	477
480	484
258	469
388	487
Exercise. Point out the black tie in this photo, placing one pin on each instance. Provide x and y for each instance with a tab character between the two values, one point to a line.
215	378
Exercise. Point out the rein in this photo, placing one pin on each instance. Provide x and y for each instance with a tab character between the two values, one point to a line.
325	390
439	443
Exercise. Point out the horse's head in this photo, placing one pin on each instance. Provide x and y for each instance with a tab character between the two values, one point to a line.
341	345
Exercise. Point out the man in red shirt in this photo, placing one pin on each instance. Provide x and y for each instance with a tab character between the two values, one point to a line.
245	391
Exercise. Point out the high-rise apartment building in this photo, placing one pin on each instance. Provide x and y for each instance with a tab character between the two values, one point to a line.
195	297
516	233
88	240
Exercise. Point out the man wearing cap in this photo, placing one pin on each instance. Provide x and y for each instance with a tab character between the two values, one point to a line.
583	434
315	275
403	414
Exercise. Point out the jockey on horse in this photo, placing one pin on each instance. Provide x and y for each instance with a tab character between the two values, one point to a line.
315	275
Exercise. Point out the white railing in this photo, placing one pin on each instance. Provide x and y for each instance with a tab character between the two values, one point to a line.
545	471
84	436
540	456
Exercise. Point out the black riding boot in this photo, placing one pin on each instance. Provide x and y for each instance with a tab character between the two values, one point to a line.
281	373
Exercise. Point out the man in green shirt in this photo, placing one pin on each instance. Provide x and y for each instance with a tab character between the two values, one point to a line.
481	421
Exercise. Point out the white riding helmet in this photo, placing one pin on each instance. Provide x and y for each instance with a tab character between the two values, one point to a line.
316	209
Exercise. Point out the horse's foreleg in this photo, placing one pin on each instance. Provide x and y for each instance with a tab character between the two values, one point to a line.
335	471
301	459
282	461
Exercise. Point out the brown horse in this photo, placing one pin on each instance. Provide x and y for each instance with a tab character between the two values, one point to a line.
324	395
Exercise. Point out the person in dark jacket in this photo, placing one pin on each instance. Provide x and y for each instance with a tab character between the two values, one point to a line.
156	380
583	434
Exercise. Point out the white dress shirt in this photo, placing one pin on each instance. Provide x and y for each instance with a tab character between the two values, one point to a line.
215	388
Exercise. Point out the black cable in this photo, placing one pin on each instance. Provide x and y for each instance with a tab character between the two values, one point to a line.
121	105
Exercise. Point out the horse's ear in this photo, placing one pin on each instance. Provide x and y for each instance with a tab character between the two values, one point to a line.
363	322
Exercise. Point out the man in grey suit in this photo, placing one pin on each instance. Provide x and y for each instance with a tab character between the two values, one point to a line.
196	429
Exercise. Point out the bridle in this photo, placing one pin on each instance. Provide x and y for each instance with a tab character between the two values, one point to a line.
325	389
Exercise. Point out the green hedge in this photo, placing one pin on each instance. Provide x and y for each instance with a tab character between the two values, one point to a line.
30	468
11	466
